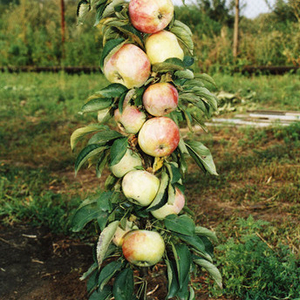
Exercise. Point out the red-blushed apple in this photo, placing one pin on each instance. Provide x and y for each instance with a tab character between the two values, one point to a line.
150	16
129	66
128	163
140	187
143	248
168	208
163	45
131	119
160	99
159	136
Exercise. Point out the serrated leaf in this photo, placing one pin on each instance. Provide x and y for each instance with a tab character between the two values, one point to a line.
118	150
124	285
111	47
211	269
86	153
110	8
96	104
162	194
79	133
183	260
202	156
180	224
108	272
202	231
204	93
169	65
104	240
194	241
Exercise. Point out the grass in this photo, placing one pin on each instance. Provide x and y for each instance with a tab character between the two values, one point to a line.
258	169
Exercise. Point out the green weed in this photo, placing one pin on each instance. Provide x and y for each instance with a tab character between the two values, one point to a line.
254	269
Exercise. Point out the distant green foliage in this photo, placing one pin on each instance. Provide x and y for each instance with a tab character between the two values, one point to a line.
253	269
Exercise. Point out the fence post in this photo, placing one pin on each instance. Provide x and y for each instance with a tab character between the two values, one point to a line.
63	27
236	29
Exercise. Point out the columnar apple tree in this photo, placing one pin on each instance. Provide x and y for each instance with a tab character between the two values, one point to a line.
142	213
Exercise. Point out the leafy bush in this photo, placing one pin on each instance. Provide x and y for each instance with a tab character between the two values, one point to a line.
254	269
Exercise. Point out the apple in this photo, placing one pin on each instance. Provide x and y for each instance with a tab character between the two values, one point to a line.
140	187
129	66
143	248
129	162
160	99
159	136
150	16
131	119
163	45
168	208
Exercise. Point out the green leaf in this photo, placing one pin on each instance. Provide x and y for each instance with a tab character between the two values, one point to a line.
110	181
105	294
104	136
133	34
183	34
174	172
79	133
99	12
124	285
194	241
102	162
85	213
108	272
118	150
202	156
169	65
204	93
110	8
83	9
202	231
187	74
207	78
111	47
188	61
104	240
96	104
180	224
183	260
112	90
91	269
211	269
173	285
86	153
161	196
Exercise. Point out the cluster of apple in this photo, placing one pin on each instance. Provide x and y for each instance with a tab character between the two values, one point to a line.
157	135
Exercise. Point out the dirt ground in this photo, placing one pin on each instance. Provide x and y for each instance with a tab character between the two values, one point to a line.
37	265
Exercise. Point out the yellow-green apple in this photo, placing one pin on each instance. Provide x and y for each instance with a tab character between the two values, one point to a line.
160	99
170	208
163	45
129	162
140	187
131	119
150	16
143	248
129	66
159	136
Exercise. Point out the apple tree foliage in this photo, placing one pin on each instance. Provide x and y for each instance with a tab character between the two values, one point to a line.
188	246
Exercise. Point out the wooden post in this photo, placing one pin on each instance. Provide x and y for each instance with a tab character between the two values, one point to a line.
236	29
